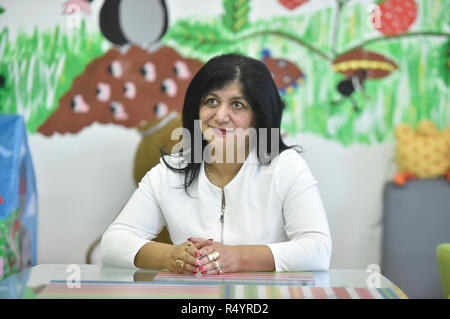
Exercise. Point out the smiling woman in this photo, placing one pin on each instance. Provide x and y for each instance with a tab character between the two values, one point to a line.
265	212
225	116
231	92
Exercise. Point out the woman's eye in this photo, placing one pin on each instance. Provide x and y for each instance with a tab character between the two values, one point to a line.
211	101
238	105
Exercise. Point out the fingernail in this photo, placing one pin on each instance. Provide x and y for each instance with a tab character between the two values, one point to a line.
196	254
200	267
211	239
204	272
189	238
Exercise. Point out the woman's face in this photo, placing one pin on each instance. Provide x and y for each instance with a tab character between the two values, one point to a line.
223	111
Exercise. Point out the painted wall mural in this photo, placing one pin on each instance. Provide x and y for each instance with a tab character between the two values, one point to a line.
125	89
349	71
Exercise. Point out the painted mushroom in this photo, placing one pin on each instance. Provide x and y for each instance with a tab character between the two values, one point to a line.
376	65
126	89
287	75
359	65
127	22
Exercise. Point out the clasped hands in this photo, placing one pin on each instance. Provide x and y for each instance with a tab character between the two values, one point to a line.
204	256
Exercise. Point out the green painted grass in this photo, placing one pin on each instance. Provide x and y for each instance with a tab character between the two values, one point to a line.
40	68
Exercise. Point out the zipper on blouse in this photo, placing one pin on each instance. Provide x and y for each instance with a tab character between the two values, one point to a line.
222	214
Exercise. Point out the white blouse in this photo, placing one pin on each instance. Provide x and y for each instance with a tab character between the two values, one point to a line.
277	205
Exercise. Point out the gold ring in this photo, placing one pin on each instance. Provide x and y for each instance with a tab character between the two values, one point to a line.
187	247
213	256
179	263
218	267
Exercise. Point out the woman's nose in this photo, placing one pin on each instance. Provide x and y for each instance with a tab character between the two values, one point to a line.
222	113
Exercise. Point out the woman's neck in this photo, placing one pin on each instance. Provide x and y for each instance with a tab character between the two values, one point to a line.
226	169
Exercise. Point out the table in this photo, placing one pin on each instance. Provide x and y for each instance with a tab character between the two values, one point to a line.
26	283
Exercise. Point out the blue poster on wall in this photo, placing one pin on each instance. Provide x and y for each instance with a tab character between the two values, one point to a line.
18	198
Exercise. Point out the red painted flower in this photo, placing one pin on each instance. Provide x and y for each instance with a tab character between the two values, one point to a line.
292	4
394	17
1	200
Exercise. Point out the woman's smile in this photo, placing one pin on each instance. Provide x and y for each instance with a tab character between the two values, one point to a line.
222	131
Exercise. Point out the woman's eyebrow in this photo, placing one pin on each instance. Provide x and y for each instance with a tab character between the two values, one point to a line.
239	97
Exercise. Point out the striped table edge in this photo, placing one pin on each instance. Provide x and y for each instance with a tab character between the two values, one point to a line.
294	292
303	278
400	292
101	289
183	291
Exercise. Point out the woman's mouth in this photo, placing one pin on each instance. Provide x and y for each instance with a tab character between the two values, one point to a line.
220	131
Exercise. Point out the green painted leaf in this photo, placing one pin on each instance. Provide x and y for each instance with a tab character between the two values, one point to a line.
235	18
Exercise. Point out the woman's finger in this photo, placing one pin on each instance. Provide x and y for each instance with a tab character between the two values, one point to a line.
189	269
185	267
188	258
196	240
203	243
212	269
183	258
191	249
207	249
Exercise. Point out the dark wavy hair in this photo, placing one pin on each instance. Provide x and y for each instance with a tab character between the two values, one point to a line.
259	90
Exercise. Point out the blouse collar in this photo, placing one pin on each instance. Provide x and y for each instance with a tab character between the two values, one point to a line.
251	159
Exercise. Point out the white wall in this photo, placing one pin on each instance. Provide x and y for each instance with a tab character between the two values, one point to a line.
351	181
83	180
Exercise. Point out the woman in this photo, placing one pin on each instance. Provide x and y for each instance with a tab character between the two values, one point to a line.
263	213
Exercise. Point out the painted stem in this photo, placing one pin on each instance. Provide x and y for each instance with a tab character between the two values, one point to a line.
335	30
412	34
289	37
328	58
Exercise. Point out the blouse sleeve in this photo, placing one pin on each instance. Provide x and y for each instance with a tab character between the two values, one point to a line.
306	225
138	223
